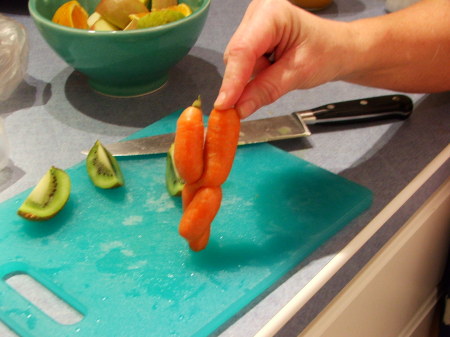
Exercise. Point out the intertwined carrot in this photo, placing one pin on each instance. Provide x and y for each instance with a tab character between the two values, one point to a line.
189	139
188	192
220	146
200	243
196	220
202	197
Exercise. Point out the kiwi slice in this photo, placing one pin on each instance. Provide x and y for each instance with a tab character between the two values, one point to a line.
48	197
103	168
174	183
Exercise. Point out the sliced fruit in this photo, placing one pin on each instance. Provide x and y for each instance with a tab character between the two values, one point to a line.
158	18
71	14
174	183
93	18
117	11
103	25
160	4
182	8
132	25
134	21
98	23
48	197
103	168
137	16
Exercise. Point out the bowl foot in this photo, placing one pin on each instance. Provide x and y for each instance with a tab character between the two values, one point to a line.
128	90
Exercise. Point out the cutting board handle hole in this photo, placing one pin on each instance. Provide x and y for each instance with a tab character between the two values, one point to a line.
43	298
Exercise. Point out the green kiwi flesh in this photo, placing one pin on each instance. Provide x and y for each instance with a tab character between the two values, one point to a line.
174	183
103	168
48	197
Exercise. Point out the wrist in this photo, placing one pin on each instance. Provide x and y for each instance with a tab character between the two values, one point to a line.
357	55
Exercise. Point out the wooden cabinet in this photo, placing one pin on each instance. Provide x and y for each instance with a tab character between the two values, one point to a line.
396	292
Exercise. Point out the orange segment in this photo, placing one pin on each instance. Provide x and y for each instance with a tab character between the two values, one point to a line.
182	8
71	14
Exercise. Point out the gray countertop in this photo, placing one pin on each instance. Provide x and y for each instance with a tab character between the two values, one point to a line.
54	114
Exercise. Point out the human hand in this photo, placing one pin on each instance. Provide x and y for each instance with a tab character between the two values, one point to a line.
306	51
303	53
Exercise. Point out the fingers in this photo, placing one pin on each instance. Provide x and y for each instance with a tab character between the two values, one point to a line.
261	64
271	83
233	87
254	37
307	51
239	69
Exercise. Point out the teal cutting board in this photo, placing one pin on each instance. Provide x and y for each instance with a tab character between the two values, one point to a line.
116	256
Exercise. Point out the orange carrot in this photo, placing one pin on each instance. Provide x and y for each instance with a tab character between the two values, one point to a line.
188	192
189	139
200	243
199	214
202	193
221	142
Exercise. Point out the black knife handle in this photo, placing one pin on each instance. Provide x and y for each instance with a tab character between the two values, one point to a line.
399	106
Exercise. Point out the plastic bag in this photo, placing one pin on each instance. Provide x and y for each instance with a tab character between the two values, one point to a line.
13	55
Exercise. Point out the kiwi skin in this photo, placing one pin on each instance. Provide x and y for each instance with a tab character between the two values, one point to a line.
174	183
48	197
103	168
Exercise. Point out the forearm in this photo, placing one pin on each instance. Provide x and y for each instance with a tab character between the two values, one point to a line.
407	50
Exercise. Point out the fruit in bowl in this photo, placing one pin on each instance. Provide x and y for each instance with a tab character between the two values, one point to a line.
121	62
112	15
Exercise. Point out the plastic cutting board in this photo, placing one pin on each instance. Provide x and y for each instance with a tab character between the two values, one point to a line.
117	258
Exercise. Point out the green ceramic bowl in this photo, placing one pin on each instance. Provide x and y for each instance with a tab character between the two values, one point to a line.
122	63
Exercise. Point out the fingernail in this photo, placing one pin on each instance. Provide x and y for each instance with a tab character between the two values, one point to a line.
220	99
246	108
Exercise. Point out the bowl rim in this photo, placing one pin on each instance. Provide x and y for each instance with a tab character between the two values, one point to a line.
43	20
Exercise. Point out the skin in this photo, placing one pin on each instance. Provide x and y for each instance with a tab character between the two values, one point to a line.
404	51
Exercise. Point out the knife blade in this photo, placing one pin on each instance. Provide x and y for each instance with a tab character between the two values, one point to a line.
289	126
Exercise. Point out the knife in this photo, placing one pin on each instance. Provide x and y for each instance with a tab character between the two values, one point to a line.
293	125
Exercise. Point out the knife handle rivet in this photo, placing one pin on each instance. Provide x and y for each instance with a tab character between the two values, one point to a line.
363	102
330	106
